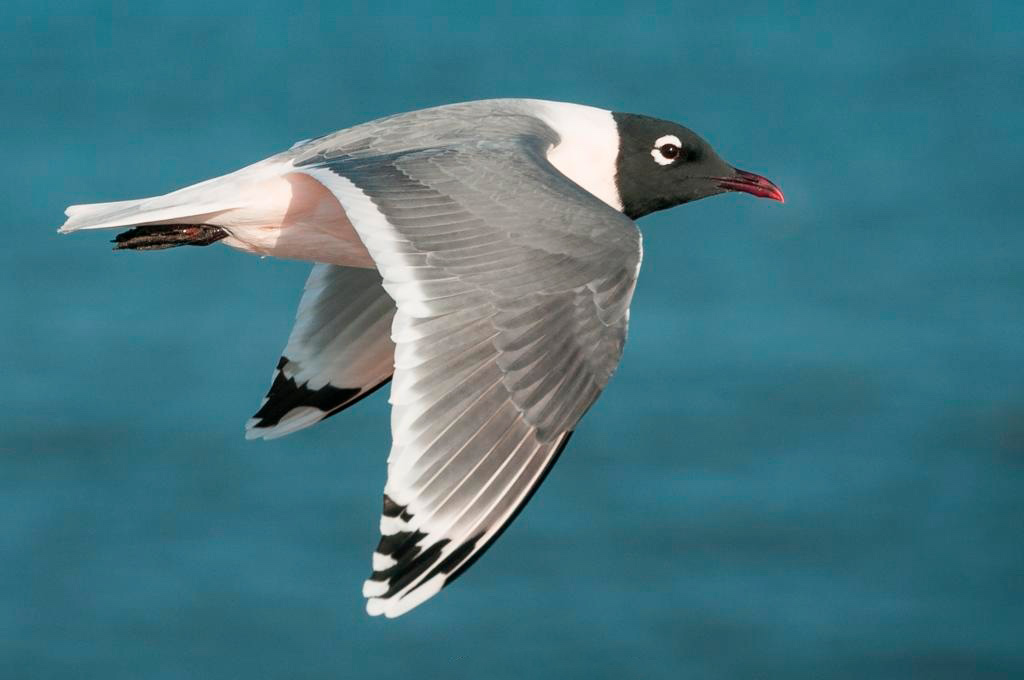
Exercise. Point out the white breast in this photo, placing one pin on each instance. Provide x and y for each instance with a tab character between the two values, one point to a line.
589	147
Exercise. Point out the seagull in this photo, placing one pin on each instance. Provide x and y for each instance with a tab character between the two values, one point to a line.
480	257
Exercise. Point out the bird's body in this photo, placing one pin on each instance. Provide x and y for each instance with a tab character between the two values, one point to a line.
483	256
270	209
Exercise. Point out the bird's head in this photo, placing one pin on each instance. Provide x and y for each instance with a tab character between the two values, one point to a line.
663	164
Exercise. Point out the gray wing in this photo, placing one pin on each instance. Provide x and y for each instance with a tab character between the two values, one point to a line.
339	351
512	286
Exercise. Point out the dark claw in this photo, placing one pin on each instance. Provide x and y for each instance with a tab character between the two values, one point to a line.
160	236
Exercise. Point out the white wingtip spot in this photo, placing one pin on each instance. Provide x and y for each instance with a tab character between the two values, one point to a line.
298	418
253	432
382	562
375	606
391	525
374	588
417	597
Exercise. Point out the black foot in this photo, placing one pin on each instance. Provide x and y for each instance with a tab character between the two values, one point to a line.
160	236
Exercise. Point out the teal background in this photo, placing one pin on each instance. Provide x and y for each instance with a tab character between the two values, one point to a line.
809	465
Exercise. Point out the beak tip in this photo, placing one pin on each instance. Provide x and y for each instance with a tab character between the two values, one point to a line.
755	185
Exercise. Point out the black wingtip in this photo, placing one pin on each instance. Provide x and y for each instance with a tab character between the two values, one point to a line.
285	395
412	561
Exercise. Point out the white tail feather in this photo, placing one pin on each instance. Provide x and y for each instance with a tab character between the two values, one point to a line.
195	203
266	209
84	210
99	216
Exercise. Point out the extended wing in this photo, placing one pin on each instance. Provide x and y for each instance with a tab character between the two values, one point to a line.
339	351
512	286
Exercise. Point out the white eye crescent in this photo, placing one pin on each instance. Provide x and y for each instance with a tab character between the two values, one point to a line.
666	149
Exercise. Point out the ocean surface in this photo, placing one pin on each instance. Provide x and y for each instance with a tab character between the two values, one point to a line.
809	465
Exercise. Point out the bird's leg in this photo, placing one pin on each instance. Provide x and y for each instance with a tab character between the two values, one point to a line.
160	236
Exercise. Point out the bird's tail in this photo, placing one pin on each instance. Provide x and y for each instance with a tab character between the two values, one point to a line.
132	213
194	205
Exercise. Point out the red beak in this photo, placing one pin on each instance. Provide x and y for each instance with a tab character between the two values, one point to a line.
751	184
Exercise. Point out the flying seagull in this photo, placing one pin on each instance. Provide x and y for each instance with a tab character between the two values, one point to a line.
480	256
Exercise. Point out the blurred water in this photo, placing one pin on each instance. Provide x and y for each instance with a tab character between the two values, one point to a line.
809	465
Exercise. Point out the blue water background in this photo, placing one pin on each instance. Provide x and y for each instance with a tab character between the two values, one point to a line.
810	464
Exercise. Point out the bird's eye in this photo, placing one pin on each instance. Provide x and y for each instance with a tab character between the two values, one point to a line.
666	149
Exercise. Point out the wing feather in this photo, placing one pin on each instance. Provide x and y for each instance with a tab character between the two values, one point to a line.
338	353
512	286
